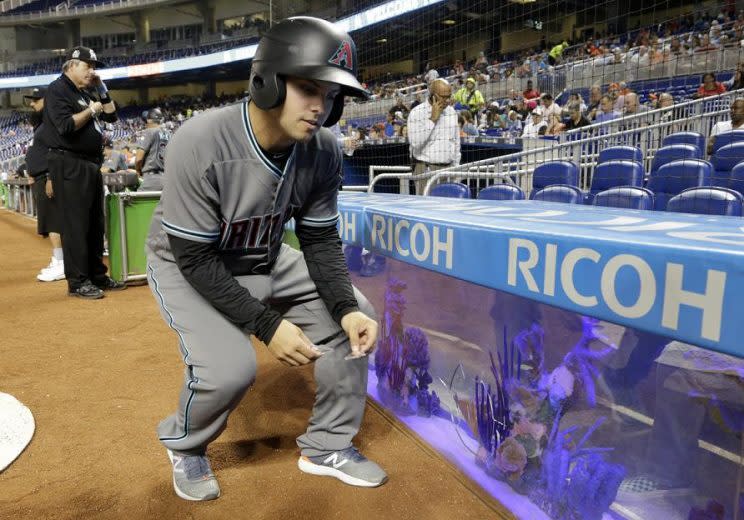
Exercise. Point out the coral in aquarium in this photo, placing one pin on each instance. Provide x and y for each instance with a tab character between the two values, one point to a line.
402	359
516	424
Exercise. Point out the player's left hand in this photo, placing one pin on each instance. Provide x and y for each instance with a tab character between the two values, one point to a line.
362	332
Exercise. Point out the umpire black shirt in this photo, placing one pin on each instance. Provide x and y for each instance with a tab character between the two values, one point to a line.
36	155
63	99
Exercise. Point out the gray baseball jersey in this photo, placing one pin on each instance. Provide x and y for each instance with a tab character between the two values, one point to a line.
234	196
153	141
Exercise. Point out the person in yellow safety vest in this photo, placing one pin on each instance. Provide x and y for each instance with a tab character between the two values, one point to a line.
556	53
470	97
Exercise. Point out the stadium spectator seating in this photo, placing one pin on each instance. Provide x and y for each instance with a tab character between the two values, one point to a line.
611	174
674	152
724	160
692	138
627	197
736	179
501	192
676	176
554	172
452	190
707	201
727	138
623	153
564	193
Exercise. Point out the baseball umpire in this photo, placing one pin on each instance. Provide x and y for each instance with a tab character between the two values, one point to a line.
219	271
48	213
74	135
151	145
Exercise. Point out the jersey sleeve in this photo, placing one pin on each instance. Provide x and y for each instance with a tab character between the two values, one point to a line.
321	210
190	195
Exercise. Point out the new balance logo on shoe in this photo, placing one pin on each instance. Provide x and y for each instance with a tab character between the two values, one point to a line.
333	460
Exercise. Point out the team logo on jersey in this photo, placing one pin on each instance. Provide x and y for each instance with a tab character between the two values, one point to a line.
344	56
254	232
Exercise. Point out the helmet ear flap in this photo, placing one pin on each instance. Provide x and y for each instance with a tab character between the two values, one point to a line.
335	114
267	91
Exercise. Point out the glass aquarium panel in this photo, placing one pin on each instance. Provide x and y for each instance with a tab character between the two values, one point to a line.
555	414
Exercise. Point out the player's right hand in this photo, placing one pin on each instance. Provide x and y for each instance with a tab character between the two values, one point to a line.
290	345
48	189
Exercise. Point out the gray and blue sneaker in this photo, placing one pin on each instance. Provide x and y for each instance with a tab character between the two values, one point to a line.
193	478
349	466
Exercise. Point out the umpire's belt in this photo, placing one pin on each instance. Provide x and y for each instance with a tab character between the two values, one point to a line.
89	158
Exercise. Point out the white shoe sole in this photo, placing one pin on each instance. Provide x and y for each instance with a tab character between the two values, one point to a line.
183	495
47	278
309	467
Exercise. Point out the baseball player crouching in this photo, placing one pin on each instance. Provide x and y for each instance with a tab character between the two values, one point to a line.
218	269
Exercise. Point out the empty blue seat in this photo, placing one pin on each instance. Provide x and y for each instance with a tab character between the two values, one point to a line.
628	197
707	200
501	192
673	152
453	190
724	161
675	177
735	179
727	138
554	172
560	193
693	138
615	173
620	153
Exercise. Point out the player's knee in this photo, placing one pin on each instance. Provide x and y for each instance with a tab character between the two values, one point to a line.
236	379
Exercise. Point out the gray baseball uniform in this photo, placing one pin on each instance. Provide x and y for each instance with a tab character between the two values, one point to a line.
221	189
153	141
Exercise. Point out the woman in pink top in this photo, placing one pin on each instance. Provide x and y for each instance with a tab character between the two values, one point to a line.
710	87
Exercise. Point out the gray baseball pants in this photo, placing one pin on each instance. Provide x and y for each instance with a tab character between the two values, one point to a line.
221	363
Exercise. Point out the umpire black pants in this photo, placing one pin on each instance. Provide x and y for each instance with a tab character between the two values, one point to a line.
82	216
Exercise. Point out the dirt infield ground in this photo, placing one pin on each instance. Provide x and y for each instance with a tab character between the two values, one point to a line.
99	375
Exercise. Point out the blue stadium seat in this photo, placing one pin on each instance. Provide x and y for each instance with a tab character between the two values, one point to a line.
615	173
707	201
724	161
554	172
693	138
628	197
727	138
620	153
675	177
452	190
501	192
735	180
565	193
673	152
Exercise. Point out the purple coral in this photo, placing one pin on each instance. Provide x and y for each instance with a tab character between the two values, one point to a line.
417	348
581	359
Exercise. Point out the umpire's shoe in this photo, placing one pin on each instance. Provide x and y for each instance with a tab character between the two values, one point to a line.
193	478
349	466
87	290
109	284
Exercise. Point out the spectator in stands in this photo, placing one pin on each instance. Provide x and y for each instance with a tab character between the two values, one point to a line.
550	107
514	124
389	129
665	100
467	127
632	106
433	133
431	75
416	102
737	80
595	96
555	125
555	56
735	123
151	145
113	160
530	92
74	135
606	110
399	106
710	87
575	100
535	127
575	119
48	211
470	97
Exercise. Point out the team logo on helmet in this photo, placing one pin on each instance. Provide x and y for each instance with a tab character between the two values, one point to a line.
344	56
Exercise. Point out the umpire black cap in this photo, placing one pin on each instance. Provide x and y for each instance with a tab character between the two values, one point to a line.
85	54
154	114
304	47
35	94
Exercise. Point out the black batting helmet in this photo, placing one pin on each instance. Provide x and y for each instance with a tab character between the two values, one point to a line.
304	47
154	114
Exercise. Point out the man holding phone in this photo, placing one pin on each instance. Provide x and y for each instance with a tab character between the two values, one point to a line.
433	134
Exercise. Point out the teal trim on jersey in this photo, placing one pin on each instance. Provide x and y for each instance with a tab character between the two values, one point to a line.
184	350
254	143
189	234
319	222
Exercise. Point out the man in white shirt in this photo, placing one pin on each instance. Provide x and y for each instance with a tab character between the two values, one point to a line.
736	123
433	133
549	107
535	127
